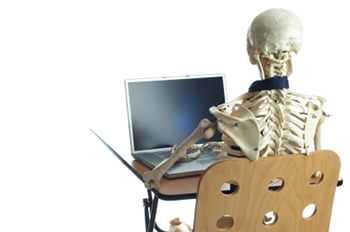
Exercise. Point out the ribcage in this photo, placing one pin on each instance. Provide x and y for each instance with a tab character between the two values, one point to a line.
281	116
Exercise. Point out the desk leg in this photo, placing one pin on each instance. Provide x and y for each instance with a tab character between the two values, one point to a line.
153	214
151	205
147	203
146	207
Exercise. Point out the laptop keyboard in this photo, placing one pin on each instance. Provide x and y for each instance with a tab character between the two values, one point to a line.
205	153
162	154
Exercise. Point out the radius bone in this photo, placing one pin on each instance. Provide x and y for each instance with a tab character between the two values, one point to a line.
152	178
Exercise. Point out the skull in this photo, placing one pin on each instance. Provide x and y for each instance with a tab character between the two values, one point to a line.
271	38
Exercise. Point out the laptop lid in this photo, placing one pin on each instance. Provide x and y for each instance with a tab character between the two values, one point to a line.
164	111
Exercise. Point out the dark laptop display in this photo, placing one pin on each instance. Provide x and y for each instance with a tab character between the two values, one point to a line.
164	113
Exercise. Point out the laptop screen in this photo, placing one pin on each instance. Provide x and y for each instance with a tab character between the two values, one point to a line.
164	112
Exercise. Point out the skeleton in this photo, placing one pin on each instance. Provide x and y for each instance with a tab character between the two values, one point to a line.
287	121
263	122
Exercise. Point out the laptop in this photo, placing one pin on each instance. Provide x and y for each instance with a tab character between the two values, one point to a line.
164	111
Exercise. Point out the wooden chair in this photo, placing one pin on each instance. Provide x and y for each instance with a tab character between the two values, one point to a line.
278	194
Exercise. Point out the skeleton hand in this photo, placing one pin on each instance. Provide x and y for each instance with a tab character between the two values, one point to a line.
213	146
204	130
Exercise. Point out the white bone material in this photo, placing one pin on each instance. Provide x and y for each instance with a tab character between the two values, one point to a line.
152	178
261	123
287	121
240	127
177	226
272	31
287	125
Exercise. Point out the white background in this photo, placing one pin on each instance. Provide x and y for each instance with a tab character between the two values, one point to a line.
62	69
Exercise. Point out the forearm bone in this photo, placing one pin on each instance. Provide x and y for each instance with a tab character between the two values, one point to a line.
152	178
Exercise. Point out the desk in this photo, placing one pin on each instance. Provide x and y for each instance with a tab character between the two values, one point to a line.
170	189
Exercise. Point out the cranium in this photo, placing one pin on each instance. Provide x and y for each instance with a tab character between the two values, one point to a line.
273	35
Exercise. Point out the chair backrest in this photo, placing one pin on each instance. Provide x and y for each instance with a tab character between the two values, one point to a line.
280	193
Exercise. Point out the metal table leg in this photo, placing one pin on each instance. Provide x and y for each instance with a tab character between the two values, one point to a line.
150	208
158	229
152	220
146	207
